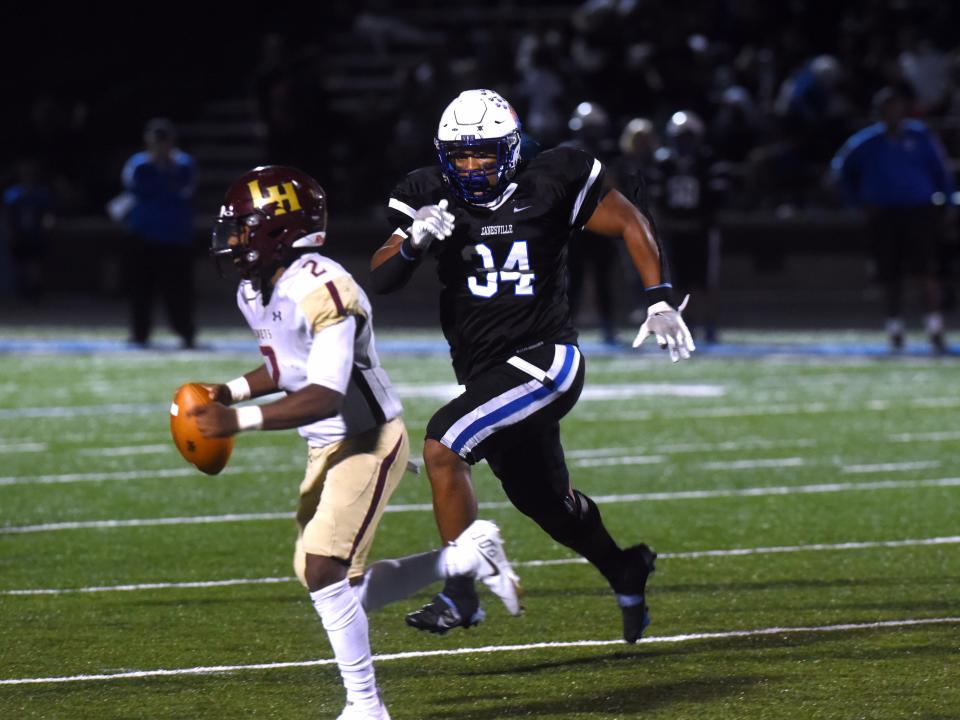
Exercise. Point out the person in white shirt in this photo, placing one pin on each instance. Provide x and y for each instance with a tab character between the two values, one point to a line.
313	324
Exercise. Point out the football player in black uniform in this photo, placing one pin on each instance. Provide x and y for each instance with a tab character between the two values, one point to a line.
498	230
685	196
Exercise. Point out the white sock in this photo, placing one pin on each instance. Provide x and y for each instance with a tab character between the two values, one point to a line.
346	624
934	322
457	560
387	581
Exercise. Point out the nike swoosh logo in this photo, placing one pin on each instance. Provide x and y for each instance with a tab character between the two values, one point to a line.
521	209
492	564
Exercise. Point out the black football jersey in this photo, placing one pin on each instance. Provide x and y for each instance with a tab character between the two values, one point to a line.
685	191
503	271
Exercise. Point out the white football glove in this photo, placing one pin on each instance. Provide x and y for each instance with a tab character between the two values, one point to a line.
432	222
667	325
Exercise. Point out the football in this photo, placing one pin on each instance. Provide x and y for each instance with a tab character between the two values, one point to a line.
210	455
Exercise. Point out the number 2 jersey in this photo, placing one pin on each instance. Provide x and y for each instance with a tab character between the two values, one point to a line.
503	271
317	329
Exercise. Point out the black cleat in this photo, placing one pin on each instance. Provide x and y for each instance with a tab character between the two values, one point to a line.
441	615
630	592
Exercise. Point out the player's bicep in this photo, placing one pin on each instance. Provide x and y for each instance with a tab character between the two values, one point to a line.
330	361
614	216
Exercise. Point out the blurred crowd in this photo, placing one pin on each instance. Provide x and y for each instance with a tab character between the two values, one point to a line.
760	94
777	86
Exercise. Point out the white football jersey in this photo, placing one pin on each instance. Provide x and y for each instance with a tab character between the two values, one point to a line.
317	329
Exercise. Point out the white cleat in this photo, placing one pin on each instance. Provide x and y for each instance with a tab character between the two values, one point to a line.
493	567
354	712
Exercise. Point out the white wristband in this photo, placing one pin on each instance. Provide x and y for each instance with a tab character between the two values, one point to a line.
239	389
250	417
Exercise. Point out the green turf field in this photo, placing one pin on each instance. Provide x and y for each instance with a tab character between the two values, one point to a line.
806	510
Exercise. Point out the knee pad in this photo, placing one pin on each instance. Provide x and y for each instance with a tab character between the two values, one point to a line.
566	519
583	509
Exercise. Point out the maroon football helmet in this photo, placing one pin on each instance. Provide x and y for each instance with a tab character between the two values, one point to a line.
269	214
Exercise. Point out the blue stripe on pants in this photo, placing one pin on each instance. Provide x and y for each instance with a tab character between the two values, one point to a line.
516	405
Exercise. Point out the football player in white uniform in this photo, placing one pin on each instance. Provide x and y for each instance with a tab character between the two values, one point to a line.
313	325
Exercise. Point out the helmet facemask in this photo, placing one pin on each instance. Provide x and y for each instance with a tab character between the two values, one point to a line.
231	239
478	124
499	158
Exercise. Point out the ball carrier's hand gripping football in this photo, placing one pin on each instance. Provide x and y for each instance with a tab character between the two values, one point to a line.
667	326
209	455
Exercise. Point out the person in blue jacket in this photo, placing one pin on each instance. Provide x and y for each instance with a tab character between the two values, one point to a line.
159	184
896	170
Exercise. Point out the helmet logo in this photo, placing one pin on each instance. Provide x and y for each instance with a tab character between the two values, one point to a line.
283	195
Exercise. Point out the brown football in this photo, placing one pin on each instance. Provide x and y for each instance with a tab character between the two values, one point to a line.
210	455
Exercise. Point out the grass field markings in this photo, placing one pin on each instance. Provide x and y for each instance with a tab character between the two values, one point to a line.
891	467
780	490
485	649
597	391
89	477
689	555
772	550
679	448
939	402
146	522
602	393
753	464
748	410
944	436
617	461
57	411
131	474
153	586
124	450
23	447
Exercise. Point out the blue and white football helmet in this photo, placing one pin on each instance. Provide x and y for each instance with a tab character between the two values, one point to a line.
478	121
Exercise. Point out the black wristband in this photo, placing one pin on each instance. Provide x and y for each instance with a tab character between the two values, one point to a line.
407	250
660	293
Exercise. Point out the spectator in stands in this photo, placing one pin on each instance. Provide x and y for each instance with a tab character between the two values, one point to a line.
897	171
27	217
157	208
590	252
634	173
686	201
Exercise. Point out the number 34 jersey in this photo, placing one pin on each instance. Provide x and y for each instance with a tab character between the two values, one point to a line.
503	271
316	328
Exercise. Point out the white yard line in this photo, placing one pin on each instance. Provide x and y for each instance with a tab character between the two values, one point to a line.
732	411
447	391
125	450
24	447
690	555
678	448
57	411
616	461
598	392
944	436
753	464
426	507
891	467
134	474
417	654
